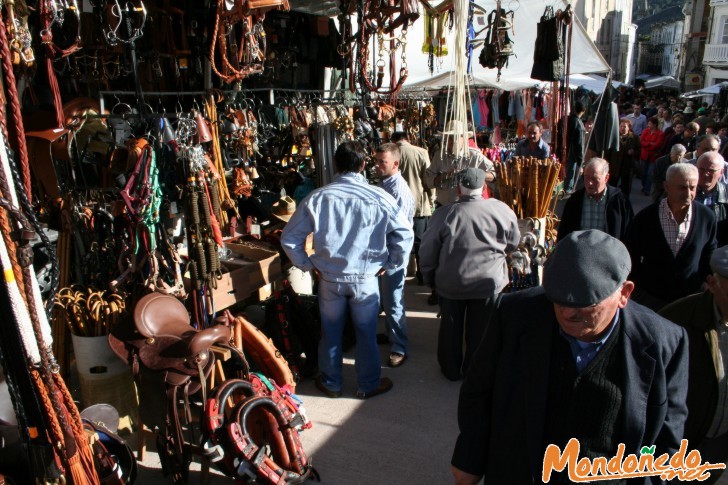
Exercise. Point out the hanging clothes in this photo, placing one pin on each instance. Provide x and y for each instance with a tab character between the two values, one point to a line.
494	101
482	100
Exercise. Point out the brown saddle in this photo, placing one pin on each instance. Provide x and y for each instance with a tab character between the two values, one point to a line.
171	361
164	341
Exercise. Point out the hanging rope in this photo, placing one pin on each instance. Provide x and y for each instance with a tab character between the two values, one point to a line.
14	102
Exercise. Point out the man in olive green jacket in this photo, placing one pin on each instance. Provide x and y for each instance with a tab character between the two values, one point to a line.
705	318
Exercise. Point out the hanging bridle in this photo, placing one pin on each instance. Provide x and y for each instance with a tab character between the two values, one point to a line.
238	38
53	14
382	18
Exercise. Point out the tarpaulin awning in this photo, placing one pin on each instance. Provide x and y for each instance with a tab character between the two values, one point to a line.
585	57
665	82
706	91
591	82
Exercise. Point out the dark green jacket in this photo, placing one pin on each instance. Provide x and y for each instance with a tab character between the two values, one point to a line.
696	314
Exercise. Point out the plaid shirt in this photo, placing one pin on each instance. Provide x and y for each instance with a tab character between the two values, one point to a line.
675	233
594	212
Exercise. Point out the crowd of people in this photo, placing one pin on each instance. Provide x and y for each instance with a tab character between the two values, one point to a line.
626	340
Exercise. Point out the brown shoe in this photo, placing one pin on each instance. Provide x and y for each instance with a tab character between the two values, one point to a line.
320	386
385	384
396	359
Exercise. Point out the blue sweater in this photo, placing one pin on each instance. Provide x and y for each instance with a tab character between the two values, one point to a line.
655	269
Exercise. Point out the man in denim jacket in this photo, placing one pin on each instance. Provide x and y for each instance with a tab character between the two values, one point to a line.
358	234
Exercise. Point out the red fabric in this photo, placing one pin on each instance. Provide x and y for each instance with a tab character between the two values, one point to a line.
486	192
651	143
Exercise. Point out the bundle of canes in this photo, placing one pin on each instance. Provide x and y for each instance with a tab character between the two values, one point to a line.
527	185
18	225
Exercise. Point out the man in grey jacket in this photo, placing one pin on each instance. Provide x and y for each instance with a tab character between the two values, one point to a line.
463	252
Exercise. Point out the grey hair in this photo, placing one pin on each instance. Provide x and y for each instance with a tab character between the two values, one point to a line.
714	138
465	191
599	164
712	157
685	169
678	147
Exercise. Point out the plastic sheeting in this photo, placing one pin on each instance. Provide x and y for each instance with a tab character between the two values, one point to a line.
706	91
591	82
585	57
666	82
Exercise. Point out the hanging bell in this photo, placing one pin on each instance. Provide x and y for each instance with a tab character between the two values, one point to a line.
254	175
203	134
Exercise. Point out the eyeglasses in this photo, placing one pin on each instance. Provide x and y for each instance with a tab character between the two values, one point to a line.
708	171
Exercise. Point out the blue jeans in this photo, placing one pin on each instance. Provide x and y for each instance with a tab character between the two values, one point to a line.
361	300
572	175
393	302
647	169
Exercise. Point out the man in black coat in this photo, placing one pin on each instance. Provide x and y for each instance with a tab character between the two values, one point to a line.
572	359
575	134
671	241
596	206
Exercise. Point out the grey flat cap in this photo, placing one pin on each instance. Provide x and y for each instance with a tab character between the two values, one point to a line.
585	268
472	178
719	261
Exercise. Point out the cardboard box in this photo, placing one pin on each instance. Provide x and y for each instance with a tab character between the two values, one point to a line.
252	268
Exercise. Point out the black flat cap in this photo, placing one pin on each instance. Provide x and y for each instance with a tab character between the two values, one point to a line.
719	261
585	268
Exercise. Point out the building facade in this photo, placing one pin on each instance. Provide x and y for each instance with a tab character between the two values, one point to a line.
609	24
715	56
661	43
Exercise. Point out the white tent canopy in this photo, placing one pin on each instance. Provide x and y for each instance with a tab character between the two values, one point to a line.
592	82
706	91
585	56
667	82
445	79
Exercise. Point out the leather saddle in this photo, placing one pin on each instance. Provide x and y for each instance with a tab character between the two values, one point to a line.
164	341
166	354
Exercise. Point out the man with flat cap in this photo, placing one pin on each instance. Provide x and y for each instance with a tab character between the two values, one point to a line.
463	253
705	317
571	359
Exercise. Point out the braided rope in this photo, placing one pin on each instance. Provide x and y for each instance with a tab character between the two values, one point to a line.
30	215
13	100
56	412
54	427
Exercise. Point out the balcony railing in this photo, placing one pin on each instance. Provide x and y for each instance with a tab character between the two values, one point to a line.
716	54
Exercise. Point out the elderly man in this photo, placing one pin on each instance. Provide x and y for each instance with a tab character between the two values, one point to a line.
709	143
712	190
638	120
572	359
359	233
596	206
444	167
677	154
464	252
533	145
671	241
413	164
688	138
392	280
704	316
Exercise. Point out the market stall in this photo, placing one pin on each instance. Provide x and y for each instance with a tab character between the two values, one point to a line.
157	148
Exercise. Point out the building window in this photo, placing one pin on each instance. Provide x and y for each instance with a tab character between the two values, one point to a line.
724	29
